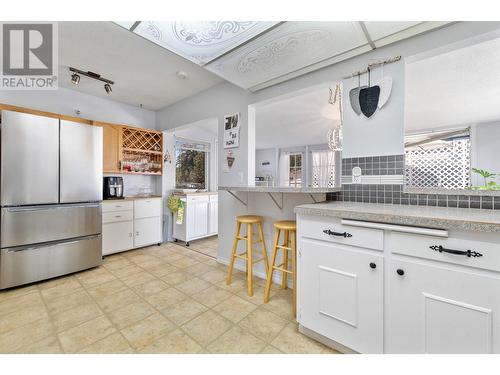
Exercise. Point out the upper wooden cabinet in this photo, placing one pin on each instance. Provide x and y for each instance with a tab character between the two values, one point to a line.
131	150
112	140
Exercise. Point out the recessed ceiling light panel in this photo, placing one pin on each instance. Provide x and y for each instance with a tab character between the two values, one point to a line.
201	42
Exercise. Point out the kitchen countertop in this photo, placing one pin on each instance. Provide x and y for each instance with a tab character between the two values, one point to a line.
468	192
198	193
463	219
132	198
270	189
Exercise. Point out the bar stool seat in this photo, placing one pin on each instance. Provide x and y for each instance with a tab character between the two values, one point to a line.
289	229
249	221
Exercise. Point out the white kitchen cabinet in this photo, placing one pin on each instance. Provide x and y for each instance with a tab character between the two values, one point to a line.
431	291
117	237
130	224
147	231
341	294
435	308
200	217
213	227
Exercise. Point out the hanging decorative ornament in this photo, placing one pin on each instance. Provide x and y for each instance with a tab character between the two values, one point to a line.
335	139
335	134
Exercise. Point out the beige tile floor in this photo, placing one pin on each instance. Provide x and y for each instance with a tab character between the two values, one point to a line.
161	299
207	246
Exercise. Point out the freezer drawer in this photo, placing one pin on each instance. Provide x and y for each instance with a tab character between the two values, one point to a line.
81	163
35	224
29	159
29	264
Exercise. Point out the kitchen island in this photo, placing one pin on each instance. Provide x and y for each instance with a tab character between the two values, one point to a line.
378	278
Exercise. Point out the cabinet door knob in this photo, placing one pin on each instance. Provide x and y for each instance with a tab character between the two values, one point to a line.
373	265
400	272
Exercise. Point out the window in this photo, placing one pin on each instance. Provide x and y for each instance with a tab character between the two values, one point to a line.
438	160
191	165
323	168
295	172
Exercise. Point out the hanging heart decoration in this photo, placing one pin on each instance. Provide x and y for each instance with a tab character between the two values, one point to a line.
368	98
354	97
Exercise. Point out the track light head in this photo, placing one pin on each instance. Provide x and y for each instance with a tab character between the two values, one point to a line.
108	89
75	79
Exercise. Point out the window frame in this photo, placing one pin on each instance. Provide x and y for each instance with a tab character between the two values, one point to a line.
182	144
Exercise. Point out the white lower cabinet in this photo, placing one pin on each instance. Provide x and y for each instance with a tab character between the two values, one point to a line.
419	294
439	309
131	224
117	237
200	217
341	294
147	231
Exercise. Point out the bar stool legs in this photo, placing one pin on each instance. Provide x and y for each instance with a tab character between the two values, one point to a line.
289	245
249	220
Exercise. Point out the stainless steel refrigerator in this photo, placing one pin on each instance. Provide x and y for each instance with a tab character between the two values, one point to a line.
51	193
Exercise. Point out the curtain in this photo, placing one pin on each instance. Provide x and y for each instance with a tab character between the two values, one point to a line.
284	169
323	165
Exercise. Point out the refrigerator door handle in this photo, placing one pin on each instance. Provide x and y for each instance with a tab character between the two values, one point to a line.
51	243
50	207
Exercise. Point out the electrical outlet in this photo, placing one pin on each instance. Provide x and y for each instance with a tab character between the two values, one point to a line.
356	175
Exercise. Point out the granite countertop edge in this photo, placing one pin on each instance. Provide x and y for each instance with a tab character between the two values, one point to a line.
274	189
432	221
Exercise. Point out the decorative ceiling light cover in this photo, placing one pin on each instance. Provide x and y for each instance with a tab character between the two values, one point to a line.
287	48
201	42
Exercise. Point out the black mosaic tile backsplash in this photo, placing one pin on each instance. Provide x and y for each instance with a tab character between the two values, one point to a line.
393	194
375	165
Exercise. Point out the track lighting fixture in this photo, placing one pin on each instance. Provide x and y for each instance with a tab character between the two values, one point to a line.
75	78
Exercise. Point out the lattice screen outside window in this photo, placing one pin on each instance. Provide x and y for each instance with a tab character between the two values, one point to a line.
441	164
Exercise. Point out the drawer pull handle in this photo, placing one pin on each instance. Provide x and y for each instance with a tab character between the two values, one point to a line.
467	253
338	234
373	265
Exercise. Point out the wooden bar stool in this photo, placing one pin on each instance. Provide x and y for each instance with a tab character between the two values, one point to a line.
289	229
249	220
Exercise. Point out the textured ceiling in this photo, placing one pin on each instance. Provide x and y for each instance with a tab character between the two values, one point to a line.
458	87
143	73
255	55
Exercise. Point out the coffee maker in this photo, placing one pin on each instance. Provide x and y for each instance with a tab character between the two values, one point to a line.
113	188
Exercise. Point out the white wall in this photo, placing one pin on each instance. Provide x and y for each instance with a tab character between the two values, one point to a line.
65	101
383	132
266	155
485	147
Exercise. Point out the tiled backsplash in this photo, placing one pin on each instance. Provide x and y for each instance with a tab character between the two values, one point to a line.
393	194
368	192
375	165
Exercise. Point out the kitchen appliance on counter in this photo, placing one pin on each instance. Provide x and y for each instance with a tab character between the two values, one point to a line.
113	188
50	193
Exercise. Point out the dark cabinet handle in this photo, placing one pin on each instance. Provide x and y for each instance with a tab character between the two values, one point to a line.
373	265
338	234
467	253
400	272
